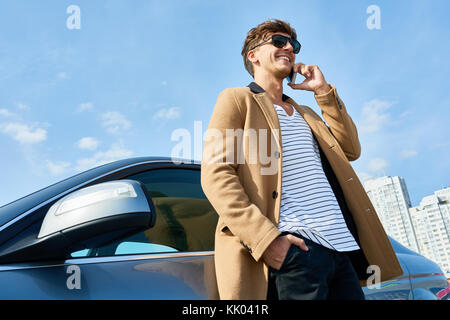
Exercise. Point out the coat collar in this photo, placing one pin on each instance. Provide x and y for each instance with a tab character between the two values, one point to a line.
316	124
255	88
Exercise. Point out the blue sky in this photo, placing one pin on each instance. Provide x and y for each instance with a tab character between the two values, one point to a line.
137	70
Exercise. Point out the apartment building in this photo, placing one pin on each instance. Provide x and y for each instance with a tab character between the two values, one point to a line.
431	222
390	198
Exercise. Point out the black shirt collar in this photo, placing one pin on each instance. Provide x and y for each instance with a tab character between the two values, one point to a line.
255	88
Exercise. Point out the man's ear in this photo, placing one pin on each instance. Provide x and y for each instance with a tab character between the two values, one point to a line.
251	56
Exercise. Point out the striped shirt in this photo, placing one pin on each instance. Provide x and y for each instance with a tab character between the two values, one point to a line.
308	203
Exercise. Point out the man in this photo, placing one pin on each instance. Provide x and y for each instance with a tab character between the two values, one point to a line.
301	226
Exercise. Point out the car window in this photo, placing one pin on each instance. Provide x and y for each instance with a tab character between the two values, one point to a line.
185	220
139	247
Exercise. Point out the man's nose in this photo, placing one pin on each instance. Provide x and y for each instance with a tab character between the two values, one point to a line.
288	46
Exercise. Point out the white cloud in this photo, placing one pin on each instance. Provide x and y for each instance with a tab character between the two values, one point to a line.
377	164
87	106
5	113
88	143
405	113
408	154
374	115
439	145
168	114
62	75
24	133
102	157
364	176
22	106
115	123
57	168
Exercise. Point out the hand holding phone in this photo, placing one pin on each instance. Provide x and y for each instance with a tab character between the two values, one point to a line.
314	79
292	76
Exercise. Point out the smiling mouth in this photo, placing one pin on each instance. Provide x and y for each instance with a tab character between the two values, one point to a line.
285	58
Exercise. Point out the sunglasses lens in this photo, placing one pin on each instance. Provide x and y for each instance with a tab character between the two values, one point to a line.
296	45
279	41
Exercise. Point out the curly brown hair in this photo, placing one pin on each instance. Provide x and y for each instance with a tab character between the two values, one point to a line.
258	33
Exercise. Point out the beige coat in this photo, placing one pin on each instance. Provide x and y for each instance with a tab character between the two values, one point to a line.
247	199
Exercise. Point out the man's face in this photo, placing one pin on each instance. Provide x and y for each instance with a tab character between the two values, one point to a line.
269	59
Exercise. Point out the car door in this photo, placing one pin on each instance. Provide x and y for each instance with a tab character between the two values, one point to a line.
171	260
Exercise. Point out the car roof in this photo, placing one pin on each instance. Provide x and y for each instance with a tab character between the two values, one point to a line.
19	206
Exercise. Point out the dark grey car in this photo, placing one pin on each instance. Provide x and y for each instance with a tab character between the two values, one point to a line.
138	228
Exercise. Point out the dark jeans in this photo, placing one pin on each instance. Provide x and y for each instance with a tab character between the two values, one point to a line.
317	274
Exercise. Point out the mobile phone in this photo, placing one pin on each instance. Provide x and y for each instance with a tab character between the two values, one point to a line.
292	76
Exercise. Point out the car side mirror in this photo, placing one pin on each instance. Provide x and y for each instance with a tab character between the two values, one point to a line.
87	218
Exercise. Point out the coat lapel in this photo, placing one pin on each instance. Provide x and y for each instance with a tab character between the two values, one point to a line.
270	114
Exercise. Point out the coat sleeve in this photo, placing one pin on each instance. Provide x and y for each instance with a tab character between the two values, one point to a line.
340	123
221	184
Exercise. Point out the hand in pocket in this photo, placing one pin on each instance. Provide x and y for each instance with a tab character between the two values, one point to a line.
276	252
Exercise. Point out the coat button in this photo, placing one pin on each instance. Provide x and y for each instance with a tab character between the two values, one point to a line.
277	155
274	194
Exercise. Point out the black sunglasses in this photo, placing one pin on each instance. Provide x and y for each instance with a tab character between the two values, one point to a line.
280	41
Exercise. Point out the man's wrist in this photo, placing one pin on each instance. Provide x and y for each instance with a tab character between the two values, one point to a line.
323	89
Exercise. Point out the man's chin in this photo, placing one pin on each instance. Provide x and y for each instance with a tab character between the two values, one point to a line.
281	74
